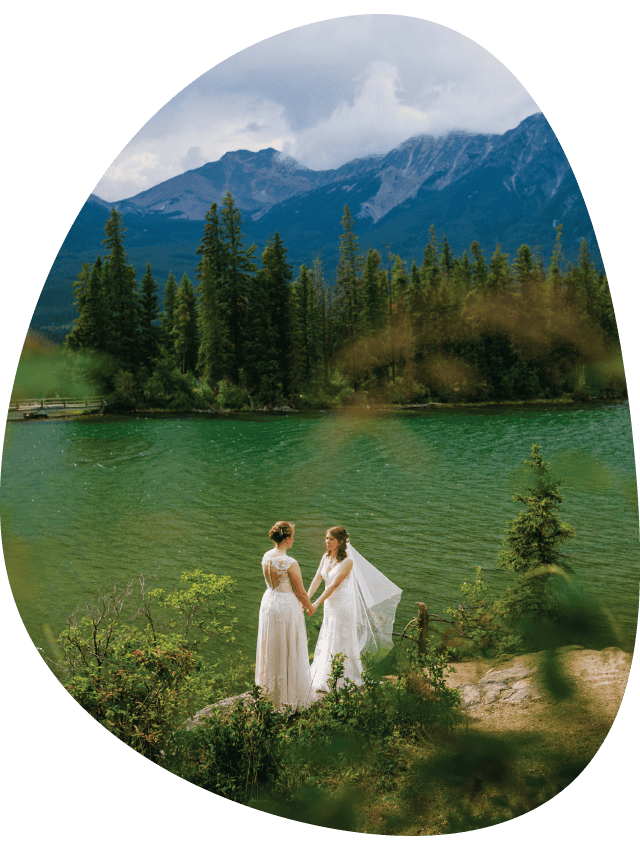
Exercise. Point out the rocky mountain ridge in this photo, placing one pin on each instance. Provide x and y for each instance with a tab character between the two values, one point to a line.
260	181
509	189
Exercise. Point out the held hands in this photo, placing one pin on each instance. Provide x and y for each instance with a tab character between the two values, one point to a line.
312	610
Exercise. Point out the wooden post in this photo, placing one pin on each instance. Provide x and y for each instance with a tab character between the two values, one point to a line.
423	628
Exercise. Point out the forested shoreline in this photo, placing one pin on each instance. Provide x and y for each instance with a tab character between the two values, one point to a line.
249	335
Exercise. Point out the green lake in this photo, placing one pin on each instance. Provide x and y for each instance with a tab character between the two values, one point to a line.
424	494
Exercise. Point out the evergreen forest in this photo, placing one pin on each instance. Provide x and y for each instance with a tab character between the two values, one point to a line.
251	334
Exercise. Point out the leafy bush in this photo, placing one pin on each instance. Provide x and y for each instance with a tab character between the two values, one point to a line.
124	397
168	388
231	397
254	753
139	676
232	753
137	691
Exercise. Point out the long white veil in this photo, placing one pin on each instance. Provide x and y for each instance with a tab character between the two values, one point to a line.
375	598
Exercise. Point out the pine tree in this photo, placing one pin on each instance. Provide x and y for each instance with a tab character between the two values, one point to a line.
532	545
554	276
170	291
399	284
238	267
119	281
306	326
214	343
149	314
213	350
280	285
268	330
465	271
446	260
479	270
185	327
606	316
90	328
523	267
77	338
97	308
500	277
373	299
324	302
349	278
585	282
414	291
430	259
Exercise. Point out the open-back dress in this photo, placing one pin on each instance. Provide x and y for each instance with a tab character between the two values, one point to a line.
282	654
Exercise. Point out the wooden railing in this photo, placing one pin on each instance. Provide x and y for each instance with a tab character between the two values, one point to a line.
417	630
35	404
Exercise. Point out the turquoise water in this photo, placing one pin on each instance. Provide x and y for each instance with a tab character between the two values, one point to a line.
425	496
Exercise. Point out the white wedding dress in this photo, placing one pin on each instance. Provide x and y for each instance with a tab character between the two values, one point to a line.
358	618
282	654
338	632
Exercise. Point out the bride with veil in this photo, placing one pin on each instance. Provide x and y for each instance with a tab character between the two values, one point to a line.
360	604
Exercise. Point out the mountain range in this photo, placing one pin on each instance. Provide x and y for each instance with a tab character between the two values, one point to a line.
511	188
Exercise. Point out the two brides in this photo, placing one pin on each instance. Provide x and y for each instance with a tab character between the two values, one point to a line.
359	610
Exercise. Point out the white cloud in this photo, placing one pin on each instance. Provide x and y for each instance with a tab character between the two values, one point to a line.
374	122
193	159
132	172
199	130
324	94
378	118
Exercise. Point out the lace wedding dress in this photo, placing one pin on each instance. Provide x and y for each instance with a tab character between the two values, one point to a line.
358	618
282	655
338	631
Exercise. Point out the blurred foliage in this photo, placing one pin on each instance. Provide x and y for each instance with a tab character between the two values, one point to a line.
49	371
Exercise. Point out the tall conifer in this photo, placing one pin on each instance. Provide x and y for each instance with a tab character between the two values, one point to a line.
170	291
77	338
214	342
185	326
268	365
119	281
349	278
238	267
306	326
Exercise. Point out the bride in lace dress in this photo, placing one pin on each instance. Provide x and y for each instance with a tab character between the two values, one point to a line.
359	610
282	655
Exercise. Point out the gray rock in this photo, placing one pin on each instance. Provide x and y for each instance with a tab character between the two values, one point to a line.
492	692
510	674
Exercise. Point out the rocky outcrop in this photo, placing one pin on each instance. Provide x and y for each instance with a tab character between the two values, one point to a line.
593	679
512	691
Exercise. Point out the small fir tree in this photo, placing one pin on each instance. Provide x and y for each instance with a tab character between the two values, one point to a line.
533	544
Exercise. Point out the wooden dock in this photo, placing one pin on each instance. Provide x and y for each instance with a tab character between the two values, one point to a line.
33	408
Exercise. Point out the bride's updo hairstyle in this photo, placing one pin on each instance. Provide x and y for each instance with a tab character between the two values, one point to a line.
280	531
342	536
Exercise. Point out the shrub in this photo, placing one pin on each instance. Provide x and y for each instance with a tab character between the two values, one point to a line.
138	676
231	397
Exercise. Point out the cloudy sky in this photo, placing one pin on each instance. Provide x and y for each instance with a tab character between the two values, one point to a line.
325	93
